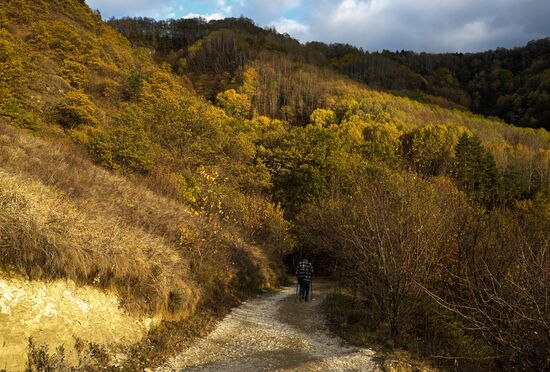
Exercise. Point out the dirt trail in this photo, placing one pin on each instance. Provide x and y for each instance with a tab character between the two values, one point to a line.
275	333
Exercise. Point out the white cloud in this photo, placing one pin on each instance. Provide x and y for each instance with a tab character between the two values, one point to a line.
291	27
208	17
157	9
224	7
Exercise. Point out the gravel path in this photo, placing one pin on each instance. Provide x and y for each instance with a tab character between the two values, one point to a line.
274	333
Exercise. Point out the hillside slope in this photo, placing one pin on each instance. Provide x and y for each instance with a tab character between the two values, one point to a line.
141	226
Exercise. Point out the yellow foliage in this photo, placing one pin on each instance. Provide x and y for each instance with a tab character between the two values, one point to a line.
250	81
74	73
234	104
75	109
433	147
265	124
323	117
383	142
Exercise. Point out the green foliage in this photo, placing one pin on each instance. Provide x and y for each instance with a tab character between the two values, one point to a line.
131	146
430	331
475	171
304	163
75	109
351	319
133	87
189	190
100	146
125	144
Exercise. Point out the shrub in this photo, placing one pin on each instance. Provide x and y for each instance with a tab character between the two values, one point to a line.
75	109
133	86
109	88
126	144
38	358
91	357
74	73
100	146
262	219
66	40
12	108
131	145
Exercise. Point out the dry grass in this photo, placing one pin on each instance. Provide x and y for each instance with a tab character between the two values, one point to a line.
63	217
46	236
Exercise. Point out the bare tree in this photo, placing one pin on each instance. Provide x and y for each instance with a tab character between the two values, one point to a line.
386	237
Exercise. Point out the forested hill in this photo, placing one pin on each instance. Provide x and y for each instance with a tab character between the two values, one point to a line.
513	84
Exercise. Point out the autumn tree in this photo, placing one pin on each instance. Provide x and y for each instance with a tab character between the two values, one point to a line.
387	235
234	104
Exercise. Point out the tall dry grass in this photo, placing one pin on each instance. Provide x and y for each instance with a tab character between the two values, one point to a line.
63	217
46	236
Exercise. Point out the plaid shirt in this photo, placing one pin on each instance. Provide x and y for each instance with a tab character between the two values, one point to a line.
304	270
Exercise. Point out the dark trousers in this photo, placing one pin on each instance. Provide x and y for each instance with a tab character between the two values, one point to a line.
304	288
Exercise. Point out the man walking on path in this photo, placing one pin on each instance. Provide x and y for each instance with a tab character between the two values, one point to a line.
304	271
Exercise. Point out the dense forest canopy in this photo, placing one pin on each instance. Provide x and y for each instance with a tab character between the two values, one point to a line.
513	84
230	147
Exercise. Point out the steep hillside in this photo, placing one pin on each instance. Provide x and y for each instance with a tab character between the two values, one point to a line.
148	225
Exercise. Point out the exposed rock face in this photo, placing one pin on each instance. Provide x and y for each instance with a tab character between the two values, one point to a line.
57	312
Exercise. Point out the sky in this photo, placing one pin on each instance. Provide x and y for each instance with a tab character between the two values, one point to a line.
419	25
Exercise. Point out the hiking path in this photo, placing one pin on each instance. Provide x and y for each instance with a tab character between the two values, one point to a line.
275	332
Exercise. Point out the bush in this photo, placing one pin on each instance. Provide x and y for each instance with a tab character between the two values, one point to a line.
12	108
74	73
126	144
131	145
91	357
133	87
75	109
100	146
261	218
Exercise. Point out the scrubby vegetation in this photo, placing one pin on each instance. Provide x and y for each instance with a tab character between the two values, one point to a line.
180	182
